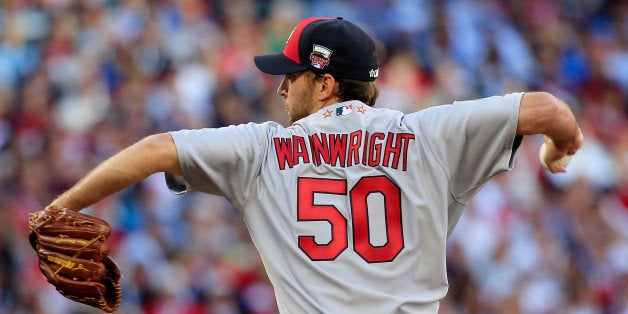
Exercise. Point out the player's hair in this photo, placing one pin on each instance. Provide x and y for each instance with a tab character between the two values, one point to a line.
366	92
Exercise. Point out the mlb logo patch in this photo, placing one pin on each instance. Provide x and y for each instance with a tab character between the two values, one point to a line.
344	110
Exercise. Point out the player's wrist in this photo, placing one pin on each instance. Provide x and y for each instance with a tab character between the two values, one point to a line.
566	144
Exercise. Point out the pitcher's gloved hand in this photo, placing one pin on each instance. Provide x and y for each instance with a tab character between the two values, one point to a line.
74	258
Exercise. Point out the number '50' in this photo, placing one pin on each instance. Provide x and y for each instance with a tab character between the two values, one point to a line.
308	211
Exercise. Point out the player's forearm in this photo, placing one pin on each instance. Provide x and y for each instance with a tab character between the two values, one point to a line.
543	113
563	130
153	154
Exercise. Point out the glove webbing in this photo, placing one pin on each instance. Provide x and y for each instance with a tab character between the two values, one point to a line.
94	240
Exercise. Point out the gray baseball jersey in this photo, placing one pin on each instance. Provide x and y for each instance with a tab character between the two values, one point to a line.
350	207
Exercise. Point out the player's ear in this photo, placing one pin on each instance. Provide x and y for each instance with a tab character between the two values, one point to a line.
327	88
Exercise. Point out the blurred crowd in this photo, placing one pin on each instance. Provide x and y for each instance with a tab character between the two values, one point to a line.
80	80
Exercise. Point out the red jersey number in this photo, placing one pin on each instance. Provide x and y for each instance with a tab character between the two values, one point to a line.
308	211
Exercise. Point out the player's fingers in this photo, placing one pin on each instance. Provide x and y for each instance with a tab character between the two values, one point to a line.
556	167
579	143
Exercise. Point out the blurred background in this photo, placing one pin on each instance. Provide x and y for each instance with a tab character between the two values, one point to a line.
80	80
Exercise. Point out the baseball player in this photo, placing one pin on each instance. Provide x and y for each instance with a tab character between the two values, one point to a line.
350	206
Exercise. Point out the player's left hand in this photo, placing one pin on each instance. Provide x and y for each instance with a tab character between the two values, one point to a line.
74	258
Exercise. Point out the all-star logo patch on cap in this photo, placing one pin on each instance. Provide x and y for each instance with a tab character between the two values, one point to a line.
325	45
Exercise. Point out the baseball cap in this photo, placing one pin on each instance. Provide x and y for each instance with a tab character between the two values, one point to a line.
325	45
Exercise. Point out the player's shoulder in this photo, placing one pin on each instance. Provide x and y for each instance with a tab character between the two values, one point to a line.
348	113
272	129
258	131
259	127
393	117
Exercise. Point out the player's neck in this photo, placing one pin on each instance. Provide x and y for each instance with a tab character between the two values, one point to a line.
322	104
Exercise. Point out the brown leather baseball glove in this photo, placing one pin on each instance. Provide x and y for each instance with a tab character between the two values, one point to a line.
74	258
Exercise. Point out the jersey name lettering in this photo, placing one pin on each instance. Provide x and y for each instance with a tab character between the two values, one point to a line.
345	150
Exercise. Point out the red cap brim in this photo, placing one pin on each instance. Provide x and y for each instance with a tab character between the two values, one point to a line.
277	64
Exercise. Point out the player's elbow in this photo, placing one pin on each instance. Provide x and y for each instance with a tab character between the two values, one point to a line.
163	153
538	112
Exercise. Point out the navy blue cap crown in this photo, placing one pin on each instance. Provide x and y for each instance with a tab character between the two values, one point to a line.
325	45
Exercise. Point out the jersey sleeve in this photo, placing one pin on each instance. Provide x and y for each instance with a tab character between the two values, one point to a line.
223	161
472	140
